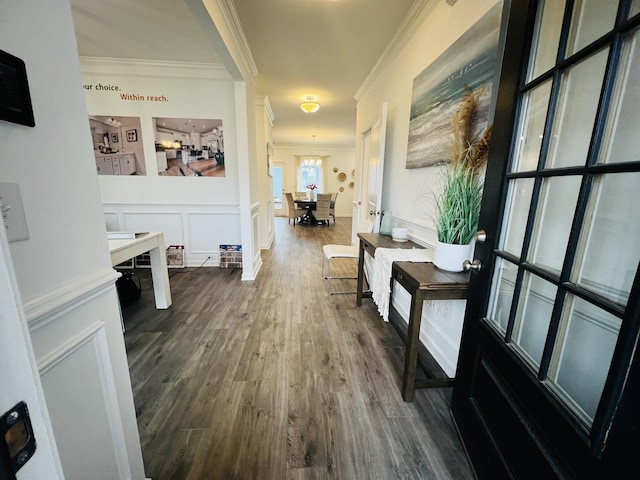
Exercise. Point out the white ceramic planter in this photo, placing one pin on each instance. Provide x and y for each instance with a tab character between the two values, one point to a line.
450	257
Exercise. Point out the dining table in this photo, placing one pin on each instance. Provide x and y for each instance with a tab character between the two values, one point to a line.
310	206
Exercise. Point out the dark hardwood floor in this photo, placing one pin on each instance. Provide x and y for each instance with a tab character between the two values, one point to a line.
275	379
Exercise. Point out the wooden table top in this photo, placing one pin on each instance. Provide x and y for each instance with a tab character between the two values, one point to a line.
305	203
429	277
377	240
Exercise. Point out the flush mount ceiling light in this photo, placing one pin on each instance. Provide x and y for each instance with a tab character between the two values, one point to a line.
309	106
112	122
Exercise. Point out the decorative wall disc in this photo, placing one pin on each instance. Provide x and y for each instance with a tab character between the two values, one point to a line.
335	169
353	172
351	184
341	189
342	177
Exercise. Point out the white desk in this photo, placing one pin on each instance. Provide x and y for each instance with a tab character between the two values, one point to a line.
152	242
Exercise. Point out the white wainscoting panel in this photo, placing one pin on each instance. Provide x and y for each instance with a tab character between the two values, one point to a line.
89	399
200	228
420	233
205	232
256	254
267	237
167	222
77	340
111	221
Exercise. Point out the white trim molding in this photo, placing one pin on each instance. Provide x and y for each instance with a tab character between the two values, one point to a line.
147	68
256	254
201	228
57	302
419	10
420	233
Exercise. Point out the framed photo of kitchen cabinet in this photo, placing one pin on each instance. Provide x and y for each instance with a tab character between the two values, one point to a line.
113	155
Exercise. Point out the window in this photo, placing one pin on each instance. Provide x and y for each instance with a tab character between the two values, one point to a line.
311	170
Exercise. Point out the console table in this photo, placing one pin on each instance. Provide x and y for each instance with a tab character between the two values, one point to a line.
424	281
152	242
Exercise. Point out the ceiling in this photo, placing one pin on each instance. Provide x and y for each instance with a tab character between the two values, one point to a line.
319	48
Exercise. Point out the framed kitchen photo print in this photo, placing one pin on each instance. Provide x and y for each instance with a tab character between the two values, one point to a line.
113	155
132	135
189	147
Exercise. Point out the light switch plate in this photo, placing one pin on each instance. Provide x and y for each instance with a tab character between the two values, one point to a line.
13	212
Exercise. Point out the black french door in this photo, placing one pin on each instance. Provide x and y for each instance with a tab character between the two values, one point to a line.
548	380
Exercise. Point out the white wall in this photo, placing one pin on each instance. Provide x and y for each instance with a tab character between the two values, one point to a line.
408	193
64	270
198	212
338	157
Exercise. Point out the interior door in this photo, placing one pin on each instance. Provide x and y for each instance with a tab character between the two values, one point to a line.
373	145
548	380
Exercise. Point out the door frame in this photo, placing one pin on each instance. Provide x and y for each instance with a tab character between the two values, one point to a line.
374	152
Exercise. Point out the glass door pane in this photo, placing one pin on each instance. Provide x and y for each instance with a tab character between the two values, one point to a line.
609	246
556	208
531	128
576	111
502	294
533	317
516	213
582	356
590	20
621	141
547	36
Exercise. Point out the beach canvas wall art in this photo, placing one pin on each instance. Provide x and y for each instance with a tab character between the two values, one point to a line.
470	63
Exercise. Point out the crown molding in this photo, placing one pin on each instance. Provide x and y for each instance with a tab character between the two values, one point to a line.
230	15
154	68
418	12
305	147
263	101
269	110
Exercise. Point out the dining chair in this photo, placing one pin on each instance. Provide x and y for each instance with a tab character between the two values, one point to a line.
323	207
294	212
332	210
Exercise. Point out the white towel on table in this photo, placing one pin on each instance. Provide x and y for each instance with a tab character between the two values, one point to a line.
382	261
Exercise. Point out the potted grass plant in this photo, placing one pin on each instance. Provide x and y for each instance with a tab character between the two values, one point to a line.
458	201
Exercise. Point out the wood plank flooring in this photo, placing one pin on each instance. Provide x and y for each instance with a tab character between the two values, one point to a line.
276	379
